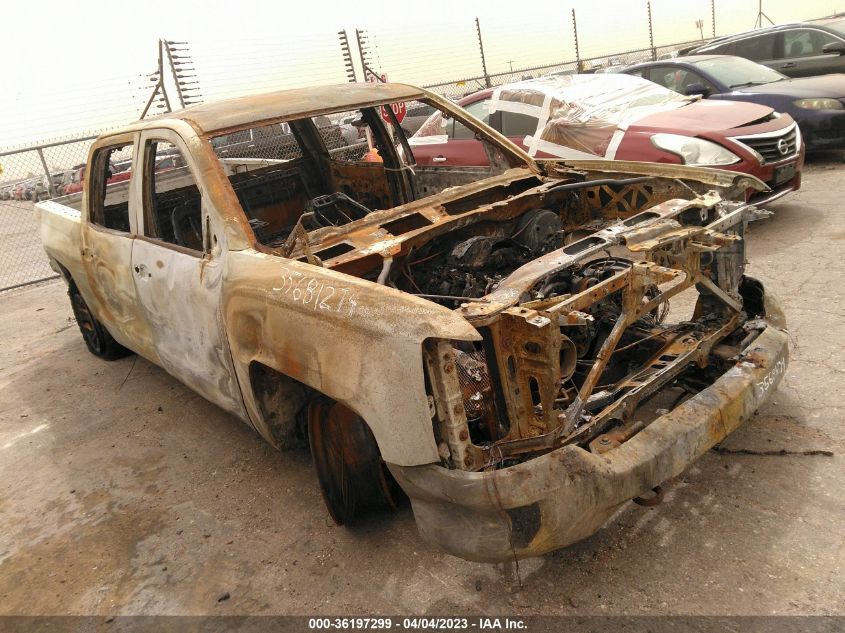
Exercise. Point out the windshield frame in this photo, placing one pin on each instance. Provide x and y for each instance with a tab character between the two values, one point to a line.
513	155
510	149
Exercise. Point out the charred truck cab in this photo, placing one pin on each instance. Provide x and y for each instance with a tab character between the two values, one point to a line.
519	348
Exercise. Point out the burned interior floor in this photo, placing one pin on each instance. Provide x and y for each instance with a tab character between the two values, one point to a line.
124	492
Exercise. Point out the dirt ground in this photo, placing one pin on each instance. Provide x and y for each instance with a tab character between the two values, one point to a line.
125	493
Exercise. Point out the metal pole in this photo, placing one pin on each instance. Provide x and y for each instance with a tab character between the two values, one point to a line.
360	38
347	56
577	50
761	15
151	99
149	102
161	76
173	72
159	85
651	34
713	15
483	60
758	23
183	68
50	187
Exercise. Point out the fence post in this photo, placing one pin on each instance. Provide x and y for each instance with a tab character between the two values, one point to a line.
577	50
182	67
483	59
760	15
713	15
347	56
173	72
50	186
651	34
360	37
159	84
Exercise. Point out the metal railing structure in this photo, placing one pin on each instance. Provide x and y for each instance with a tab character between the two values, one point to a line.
461	87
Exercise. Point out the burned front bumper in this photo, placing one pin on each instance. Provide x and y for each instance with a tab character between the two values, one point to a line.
566	495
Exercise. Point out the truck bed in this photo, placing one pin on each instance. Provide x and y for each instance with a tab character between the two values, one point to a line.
59	229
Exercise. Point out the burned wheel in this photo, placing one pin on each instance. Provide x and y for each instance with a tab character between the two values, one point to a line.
353	477
97	338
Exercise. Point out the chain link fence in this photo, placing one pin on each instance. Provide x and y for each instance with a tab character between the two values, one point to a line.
606	63
31	175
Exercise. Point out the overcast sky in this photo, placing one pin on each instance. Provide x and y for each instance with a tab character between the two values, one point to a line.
72	67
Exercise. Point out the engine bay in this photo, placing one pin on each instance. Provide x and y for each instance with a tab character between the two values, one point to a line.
577	344
569	285
566	275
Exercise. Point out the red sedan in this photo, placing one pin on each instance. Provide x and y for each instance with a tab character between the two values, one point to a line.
78	177
623	118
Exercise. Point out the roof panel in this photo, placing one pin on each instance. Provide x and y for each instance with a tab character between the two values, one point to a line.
289	104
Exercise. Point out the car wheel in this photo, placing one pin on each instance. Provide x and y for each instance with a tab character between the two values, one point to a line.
353	478
97	337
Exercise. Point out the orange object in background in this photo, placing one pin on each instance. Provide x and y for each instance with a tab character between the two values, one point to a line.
372	156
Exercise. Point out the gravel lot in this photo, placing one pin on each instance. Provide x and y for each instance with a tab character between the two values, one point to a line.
123	492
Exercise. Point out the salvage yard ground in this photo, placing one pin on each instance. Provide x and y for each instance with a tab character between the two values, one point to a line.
122	492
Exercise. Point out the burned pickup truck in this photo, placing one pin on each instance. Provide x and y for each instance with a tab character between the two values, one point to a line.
497	343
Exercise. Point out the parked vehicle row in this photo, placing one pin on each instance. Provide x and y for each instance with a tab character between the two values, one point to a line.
35	189
711	109
816	103
796	68
624	117
800	49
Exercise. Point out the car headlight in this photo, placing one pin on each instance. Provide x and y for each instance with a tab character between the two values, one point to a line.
819	104
694	151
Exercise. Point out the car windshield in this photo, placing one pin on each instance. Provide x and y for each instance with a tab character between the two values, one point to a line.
736	72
